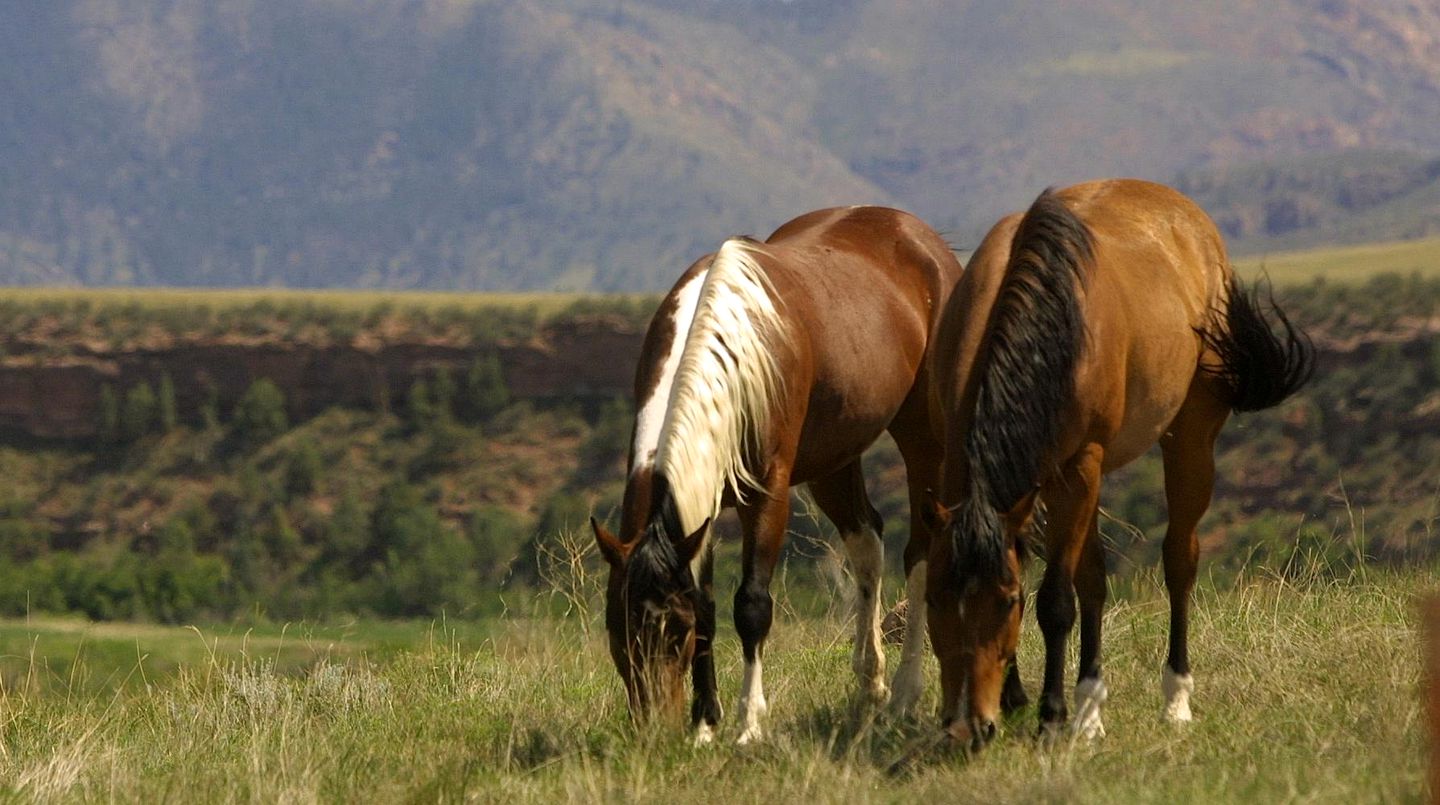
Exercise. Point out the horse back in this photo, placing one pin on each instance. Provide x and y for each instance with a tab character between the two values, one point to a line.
864	288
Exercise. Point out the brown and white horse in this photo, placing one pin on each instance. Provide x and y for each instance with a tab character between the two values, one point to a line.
1104	319
768	365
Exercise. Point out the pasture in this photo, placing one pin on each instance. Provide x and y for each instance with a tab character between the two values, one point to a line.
1345	264
1307	690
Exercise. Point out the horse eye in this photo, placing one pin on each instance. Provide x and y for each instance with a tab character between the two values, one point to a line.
1013	600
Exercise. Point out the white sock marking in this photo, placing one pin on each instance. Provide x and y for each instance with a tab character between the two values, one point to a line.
867	559
1090	695
704	734
752	704
1177	690
910	676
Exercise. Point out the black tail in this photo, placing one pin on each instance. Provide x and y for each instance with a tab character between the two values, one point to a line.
1260	365
1036	333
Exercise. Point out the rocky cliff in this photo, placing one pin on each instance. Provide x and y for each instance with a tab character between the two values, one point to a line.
51	388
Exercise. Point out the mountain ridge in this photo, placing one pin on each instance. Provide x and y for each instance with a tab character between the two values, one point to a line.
605	144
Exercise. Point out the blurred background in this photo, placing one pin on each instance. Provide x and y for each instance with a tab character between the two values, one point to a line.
604	144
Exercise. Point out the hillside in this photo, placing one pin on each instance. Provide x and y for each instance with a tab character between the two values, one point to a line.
604	144
290	457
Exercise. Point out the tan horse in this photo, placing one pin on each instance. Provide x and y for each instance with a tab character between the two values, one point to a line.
1103	320
773	364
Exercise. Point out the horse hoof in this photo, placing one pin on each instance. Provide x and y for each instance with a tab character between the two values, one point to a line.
704	735
751	735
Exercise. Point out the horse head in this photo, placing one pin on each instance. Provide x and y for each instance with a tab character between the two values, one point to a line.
989	551
651	602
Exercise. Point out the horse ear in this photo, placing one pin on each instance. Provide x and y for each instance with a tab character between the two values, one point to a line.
689	547
933	513
610	546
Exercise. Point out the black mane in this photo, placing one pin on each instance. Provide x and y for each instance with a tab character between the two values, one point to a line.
654	565
1035	335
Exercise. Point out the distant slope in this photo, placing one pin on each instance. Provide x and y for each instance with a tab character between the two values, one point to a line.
1351	197
1346	264
605	144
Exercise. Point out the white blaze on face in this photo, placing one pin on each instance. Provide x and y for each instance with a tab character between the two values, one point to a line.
652	411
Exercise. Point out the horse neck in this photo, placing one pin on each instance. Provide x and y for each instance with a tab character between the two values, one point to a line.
727	386
1019	401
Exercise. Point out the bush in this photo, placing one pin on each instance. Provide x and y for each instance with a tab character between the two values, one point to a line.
260	414
141	412
485	391
303	469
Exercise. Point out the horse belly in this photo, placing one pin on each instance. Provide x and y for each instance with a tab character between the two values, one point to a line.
1157	382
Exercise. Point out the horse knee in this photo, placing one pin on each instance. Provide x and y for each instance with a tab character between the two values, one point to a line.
1055	608
753	613
867	558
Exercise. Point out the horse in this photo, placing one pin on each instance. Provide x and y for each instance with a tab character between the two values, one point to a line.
1104	319
770	365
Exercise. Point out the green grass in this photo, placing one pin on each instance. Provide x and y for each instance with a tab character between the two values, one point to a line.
545	304
1346	264
1306	690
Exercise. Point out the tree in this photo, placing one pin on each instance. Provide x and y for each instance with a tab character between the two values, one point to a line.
169	416
109	415
303	468
485	390
260	414
419	409
140	412
442	394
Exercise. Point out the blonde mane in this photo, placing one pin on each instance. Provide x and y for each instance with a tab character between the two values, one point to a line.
726	386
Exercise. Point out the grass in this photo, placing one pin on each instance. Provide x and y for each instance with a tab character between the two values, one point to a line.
233	298
1346	264
1307	689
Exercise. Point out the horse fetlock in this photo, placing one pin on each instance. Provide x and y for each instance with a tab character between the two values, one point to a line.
1090	696
906	688
1177	689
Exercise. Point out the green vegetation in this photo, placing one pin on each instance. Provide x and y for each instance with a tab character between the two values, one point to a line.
525	708
1351	265
457	490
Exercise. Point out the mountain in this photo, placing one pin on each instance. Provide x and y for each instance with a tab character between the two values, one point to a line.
605	144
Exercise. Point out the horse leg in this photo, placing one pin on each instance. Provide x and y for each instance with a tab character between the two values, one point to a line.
764	517
922	455
705	712
1090	691
1188	449
841	495
1071	498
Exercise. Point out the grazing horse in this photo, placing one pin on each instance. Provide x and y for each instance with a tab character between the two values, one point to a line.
1104	319
767	365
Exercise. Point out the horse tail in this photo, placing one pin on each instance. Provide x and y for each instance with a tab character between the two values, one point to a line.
728	384
1035	336
1259	365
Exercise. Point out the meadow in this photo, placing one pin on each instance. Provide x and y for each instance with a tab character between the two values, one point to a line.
1308	689
1306	655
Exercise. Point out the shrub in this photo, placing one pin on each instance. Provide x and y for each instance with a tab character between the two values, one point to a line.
140	413
485	390
260	414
